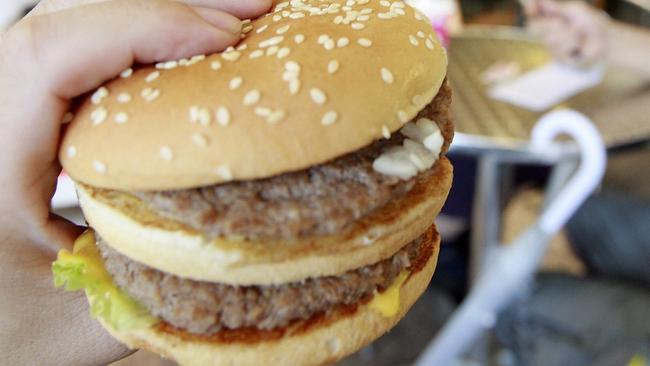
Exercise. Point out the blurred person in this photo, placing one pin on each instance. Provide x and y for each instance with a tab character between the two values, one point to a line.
580	34
62	50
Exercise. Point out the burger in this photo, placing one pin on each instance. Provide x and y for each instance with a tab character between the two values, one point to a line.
270	204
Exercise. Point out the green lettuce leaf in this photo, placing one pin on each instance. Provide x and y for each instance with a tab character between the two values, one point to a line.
83	269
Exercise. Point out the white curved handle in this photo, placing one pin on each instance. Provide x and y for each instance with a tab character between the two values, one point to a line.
590	172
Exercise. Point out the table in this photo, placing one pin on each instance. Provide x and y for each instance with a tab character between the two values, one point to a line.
497	133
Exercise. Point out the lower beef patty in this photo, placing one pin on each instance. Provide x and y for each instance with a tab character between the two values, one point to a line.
322	200
205	308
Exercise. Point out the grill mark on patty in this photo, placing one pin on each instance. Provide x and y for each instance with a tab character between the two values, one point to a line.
321	200
207	308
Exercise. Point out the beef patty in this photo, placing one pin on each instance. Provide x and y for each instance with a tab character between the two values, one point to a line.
205	308
321	200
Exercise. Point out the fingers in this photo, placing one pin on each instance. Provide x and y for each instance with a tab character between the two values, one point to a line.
136	30
241	9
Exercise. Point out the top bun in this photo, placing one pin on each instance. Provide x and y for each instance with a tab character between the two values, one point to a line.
309	82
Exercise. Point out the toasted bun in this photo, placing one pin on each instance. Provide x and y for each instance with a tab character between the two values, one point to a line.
157	145
170	247
321	344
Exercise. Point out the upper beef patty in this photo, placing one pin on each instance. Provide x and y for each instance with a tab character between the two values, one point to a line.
205	308
321	200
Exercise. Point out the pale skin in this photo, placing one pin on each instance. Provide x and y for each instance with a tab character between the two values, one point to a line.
62	50
579	34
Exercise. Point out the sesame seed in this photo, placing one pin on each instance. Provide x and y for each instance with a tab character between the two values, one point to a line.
417	15
366	11
384	16
398	4
149	94
384	3
223	116
420	34
204	117
262	28
224	172
357	26
183	62
99	95
67	118
246	21
363	18
72	151
332	66
323	38
277	17
385	132
329	118
297	15
318	96
276	116
126	73
242	47
252	97
418	100
235	83
121	118
294	86
215	65
166	153
329	44
262	111
364	42
256	54
200	139
272	50
271	41
292	66
283	29
342	42
387	75
285	13
429	44
99	167
247	28
170	65
284	52
231	56
403	117
153	76
99	115
124	98
414	41
399	11
338	19
299	38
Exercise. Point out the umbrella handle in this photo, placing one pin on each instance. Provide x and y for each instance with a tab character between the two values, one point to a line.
587	177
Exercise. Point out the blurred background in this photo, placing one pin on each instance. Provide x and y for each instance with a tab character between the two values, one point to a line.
510	62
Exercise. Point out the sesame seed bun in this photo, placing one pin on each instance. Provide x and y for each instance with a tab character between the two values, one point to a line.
167	245
323	343
297	91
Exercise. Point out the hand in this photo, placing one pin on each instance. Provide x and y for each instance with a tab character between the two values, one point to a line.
574	32
64	49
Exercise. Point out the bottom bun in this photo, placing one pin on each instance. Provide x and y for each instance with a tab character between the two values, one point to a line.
323	343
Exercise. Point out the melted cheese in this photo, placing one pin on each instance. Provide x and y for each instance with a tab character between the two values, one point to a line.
387	302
